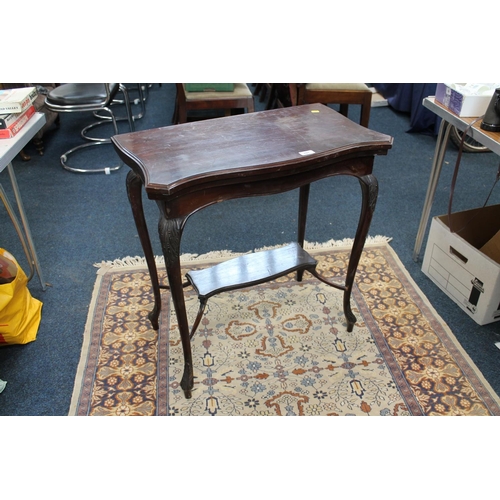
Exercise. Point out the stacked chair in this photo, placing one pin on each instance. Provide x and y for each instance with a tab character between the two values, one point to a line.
89	97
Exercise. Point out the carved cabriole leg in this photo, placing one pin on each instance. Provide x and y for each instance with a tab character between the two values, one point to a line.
369	189
301	231
24	156
134	191
170	231
39	146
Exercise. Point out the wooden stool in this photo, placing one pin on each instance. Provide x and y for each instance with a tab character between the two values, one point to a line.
336	93
240	98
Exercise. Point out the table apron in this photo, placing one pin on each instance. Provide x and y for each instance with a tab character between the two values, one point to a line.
182	206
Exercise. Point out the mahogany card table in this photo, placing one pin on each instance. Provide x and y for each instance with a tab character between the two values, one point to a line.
185	168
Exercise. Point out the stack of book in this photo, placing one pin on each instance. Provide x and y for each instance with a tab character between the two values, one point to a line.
16	108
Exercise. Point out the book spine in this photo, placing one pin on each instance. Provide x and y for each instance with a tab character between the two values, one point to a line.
8	133
18	107
33	95
7	121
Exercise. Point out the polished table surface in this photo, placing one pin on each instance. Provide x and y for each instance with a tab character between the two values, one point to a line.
275	143
187	167
449	119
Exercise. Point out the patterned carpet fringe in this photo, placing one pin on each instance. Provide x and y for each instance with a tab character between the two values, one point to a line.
226	254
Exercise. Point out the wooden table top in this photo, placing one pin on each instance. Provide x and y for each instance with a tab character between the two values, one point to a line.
171	159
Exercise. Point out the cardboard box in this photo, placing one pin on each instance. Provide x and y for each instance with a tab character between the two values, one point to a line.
457	98
466	264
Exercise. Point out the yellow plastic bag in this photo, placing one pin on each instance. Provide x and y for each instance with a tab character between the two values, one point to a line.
20	313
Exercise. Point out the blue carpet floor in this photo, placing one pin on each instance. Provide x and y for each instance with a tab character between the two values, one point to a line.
78	220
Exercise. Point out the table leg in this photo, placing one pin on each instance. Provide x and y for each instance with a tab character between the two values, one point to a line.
17	227
437	164
301	231
134	192
170	231
29	239
369	190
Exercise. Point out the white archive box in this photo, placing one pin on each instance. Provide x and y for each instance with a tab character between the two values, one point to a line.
465	264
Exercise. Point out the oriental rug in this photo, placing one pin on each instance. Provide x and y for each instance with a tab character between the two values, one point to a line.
280	348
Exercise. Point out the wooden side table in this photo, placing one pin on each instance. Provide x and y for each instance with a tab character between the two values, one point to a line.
188	167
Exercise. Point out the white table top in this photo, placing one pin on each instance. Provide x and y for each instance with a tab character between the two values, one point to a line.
10	148
489	139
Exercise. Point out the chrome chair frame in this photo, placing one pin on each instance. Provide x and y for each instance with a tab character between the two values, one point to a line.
142	91
104	105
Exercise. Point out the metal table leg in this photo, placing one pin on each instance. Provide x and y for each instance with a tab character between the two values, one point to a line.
26	238
437	164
